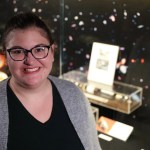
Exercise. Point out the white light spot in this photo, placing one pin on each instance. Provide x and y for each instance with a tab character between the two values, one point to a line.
81	23
95	28
140	26
33	9
80	13
15	9
141	80
66	7
39	10
55	19
66	18
138	14
73	25
70	38
64	49
112	18
81	68
123	69
87	56
125	13
91	13
76	18
92	20
122	48
14	2
58	16
104	22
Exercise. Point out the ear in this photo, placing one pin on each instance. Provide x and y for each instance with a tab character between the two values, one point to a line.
53	47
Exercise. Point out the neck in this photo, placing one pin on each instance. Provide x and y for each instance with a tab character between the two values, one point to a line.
24	92
37	101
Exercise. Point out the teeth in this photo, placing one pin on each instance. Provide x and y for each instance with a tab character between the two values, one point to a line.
31	70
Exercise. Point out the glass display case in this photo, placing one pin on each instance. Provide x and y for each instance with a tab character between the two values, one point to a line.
95	112
121	97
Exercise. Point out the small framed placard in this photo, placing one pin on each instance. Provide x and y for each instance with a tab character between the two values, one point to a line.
103	63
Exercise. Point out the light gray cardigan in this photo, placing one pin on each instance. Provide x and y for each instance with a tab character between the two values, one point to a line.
77	106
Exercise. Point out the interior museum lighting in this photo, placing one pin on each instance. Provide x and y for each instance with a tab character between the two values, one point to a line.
3	75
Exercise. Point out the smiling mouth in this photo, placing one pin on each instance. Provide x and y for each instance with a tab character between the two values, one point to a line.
31	69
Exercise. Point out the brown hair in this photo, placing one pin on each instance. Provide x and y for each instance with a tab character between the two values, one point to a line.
23	21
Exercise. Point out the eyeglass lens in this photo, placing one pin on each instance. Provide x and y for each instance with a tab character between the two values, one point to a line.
19	54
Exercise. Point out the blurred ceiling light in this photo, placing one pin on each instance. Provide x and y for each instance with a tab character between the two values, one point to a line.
2	60
3	76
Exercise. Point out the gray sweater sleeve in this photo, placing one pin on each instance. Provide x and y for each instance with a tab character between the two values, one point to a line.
3	115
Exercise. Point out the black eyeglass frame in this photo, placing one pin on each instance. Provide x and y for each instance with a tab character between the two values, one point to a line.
26	51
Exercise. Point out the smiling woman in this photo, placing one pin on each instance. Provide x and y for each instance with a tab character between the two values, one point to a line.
35	107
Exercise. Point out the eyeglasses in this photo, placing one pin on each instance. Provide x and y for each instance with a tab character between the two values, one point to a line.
38	52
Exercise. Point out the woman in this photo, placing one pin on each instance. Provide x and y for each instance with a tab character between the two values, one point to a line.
38	111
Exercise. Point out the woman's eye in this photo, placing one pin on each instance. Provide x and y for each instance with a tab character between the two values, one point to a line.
17	51
40	49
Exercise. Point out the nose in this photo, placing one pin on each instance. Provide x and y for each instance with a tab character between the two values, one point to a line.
29	59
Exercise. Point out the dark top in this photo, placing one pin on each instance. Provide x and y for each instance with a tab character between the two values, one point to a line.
27	133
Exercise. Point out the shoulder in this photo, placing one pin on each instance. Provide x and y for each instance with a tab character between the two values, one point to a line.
59	80
63	84
73	98
3	93
3	85
68	89
3	113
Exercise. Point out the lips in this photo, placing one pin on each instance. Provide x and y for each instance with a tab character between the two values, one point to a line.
31	69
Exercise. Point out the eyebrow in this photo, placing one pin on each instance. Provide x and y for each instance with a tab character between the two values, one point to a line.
15	47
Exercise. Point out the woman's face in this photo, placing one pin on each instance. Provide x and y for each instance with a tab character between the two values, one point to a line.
30	72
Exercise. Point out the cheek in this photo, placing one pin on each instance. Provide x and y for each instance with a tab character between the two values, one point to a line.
8	61
12	65
50	59
49	63
51	56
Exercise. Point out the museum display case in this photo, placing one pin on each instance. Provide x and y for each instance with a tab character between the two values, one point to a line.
121	97
95	112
